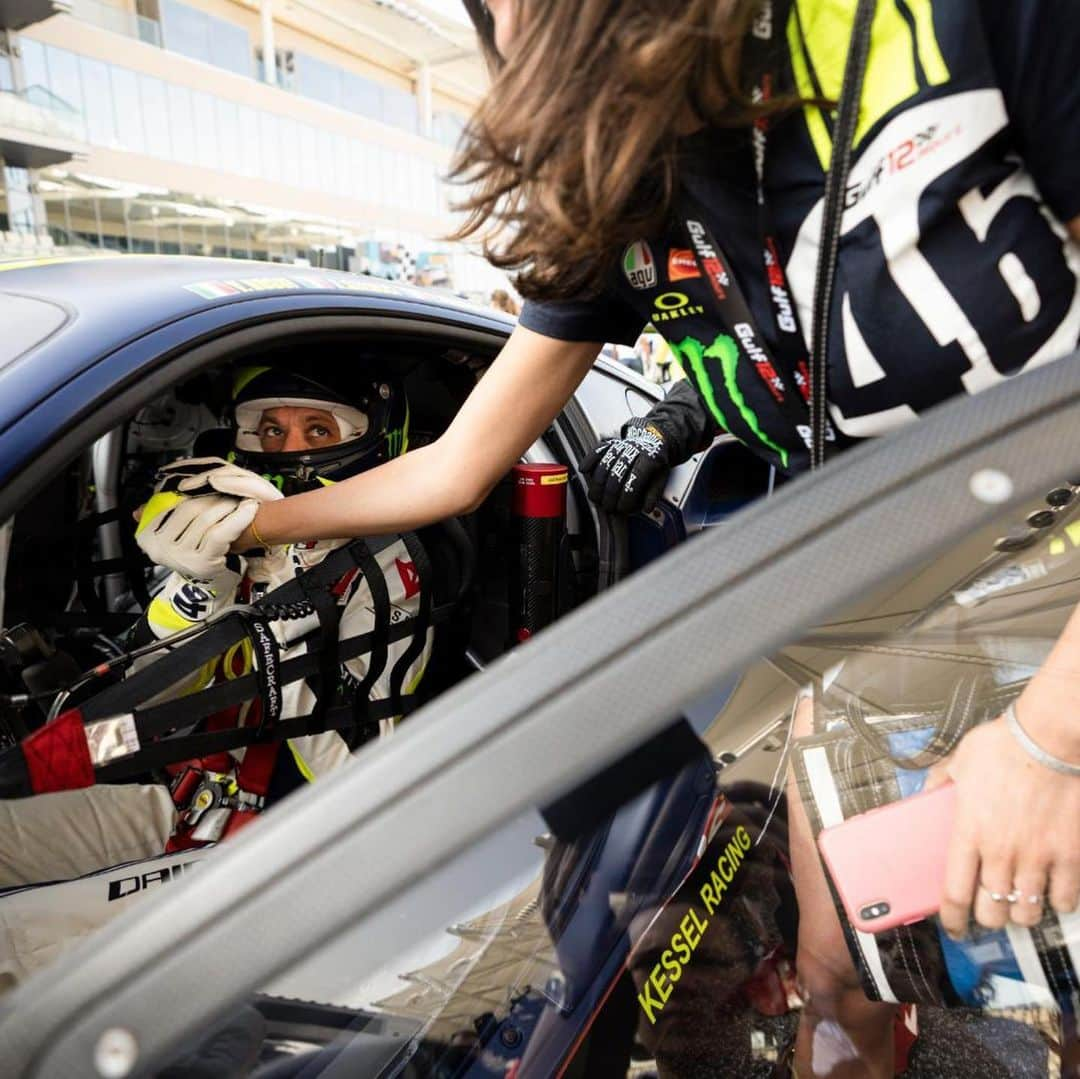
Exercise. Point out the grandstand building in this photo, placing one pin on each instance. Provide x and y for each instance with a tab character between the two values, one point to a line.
311	131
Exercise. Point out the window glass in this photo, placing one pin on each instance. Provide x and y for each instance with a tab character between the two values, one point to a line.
228	135
345	182
19	209
127	109
143	227
362	95
230	46
250	140
327	171
447	128
377	165
84	215
192	236
66	83
35	66
205	130
114	225
186	30
6	80
268	144
97	94
319	80
399	109
216	239
310	175
289	159
181	122
359	172
155	107
399	171
688	935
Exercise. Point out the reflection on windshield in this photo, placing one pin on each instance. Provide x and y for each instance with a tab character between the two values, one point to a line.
679	939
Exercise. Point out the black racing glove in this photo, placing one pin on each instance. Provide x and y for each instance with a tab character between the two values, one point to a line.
627	474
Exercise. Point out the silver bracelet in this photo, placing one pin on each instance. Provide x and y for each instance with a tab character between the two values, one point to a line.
1033	749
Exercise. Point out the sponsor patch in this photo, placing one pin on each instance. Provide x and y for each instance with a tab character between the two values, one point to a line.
681	265
669	306
191	601
639	265
661	981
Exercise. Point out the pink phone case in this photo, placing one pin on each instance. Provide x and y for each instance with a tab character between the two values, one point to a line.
889	864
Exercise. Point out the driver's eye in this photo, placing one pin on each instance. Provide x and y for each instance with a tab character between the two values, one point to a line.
317	430
271	430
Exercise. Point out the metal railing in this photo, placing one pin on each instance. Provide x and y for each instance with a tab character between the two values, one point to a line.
39	111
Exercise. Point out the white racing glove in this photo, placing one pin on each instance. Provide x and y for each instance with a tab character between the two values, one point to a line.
198	510
212	475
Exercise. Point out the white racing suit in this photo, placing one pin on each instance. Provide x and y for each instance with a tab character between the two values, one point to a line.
80	841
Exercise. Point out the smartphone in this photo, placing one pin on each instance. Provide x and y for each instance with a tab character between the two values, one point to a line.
888	864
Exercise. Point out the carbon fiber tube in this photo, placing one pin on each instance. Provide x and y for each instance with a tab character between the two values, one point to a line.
539	524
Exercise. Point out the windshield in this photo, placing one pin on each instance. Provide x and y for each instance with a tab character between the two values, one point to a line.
664	940
27	322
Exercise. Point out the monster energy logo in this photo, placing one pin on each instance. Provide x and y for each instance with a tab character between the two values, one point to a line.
693	352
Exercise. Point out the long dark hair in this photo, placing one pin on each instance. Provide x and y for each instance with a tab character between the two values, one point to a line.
573	153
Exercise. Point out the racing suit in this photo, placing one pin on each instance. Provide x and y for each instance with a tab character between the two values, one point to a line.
70	834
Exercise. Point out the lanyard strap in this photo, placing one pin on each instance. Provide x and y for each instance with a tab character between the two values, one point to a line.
847	119
799	390
783	370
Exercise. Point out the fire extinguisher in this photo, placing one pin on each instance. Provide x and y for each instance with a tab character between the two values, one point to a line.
539	524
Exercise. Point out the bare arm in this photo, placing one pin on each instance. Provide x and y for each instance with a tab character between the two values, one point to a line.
513	404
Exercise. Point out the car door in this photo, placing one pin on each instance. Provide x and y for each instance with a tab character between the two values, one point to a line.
699	493
434	916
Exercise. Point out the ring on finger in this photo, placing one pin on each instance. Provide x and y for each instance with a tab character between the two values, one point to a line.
1000	897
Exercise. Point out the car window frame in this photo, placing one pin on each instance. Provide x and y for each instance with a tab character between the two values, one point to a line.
586	691
147	367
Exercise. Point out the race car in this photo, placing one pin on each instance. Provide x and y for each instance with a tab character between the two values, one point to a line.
111	367
576	862
114	367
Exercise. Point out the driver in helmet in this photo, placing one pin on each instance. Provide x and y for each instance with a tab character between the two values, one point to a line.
292	433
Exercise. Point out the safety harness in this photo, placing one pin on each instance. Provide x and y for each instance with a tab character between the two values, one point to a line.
119	733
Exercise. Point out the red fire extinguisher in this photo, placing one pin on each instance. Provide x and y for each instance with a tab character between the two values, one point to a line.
539	518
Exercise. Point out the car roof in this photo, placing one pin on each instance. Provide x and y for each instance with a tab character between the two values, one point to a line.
182	284
587	691
112	298
91	306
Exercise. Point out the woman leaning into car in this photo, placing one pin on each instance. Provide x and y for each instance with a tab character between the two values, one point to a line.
616	156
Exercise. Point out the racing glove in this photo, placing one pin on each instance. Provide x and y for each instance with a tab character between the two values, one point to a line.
627	474
198	510
212	475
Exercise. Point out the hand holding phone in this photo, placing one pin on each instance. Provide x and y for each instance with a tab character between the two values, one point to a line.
888	864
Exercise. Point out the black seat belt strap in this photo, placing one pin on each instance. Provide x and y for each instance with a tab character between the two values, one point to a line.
422	564
380	639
